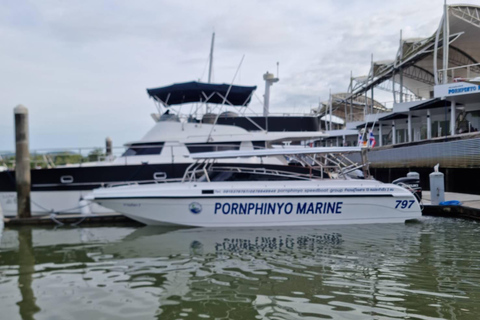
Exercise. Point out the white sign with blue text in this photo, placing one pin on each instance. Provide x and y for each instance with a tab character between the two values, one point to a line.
455	89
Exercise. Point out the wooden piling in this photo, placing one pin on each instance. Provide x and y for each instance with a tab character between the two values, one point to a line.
108	147
22	162
365	168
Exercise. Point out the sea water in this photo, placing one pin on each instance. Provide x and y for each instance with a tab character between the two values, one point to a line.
425	270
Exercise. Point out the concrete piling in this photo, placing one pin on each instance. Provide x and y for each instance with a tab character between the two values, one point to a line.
22	162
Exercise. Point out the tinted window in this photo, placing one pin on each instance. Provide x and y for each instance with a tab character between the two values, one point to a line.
211	147
258	144
144	149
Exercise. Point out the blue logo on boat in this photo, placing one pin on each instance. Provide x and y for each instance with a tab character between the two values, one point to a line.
195	207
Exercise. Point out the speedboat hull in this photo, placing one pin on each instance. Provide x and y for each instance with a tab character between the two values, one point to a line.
255	204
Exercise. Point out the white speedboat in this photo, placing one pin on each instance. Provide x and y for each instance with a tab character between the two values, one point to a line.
258	197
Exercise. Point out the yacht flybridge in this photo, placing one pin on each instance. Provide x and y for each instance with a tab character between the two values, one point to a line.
331	192
164	152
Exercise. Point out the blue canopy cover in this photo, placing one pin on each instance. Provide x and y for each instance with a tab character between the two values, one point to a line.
194	92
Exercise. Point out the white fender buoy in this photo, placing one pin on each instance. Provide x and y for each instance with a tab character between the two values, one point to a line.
84	207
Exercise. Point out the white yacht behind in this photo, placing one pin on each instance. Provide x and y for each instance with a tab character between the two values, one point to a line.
266	197
162	154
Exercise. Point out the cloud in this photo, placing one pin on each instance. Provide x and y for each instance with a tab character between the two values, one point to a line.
82	67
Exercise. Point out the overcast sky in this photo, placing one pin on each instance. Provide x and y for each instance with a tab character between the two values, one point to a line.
82	67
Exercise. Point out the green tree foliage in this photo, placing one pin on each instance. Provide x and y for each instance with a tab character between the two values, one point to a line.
96	155
38	161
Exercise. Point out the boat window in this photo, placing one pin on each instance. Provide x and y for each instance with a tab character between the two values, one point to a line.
143	149
211	147
258	144
129	152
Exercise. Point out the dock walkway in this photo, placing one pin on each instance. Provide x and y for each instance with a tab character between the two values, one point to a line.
469	208
468	200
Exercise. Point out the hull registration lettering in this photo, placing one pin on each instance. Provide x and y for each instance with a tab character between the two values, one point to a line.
250	208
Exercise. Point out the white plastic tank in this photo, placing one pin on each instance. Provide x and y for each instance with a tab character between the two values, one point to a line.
413	175
437	187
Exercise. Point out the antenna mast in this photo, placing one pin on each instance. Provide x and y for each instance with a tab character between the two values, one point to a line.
211	59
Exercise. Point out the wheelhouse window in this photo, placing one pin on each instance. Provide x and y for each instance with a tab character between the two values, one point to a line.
211	147
246	176
144	149
259	144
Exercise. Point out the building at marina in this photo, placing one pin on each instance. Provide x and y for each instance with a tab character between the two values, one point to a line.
435	114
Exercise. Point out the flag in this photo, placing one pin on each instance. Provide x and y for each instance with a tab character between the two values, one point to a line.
371	139
360	138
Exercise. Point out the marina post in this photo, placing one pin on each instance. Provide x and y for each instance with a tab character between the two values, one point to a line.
22	167
108	147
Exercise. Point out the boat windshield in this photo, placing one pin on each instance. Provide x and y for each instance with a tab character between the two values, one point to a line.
247	176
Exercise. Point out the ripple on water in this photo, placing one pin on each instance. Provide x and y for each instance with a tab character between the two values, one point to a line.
429	270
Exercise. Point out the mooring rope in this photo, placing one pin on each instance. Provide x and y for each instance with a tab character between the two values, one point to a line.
53	213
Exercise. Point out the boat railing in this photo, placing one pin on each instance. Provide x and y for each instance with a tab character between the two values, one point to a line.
59	157
64	157
204	171
335	163
141	182
328	165
332	164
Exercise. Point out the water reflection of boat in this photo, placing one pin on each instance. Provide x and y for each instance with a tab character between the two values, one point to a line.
154	241
212	196
339	272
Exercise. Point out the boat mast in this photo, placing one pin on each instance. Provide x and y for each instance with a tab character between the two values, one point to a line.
211	59
269	81
210	66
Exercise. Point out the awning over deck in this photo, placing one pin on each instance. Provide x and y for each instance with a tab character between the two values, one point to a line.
189	92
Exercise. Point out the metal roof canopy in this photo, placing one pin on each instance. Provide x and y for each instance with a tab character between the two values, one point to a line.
425	105
395	116
188	92
433	104
370	124
416	57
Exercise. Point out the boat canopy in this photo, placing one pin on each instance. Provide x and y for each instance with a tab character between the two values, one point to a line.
274	152
187	92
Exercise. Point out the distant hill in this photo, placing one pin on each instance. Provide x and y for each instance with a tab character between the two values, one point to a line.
7	153
53	153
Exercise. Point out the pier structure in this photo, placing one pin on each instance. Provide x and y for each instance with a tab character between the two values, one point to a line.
434	115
